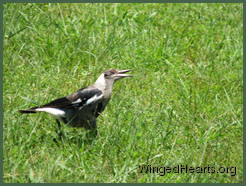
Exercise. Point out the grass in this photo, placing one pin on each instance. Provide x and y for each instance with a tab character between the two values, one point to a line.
183	106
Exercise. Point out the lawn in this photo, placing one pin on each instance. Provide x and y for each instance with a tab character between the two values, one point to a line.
184	105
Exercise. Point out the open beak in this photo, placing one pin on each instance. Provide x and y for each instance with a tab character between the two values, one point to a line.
121	74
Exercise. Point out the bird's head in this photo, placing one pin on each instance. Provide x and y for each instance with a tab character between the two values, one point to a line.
114	75
107	78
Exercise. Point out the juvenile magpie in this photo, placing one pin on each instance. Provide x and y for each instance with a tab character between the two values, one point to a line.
81	108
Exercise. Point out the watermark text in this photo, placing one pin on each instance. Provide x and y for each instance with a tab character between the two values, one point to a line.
181	169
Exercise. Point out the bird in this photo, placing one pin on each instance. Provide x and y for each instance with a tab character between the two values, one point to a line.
81	109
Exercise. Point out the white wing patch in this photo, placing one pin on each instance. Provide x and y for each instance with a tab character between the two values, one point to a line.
77	101
93	99
54	111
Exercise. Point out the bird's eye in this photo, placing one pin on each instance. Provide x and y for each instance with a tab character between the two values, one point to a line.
107	74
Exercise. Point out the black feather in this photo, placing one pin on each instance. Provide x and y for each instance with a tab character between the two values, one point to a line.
58	103
29	111
68	102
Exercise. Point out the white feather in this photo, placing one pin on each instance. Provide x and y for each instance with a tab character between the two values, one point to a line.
100	82
77	101
93	99
54	111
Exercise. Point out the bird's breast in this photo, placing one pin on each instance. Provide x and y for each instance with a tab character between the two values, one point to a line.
107	94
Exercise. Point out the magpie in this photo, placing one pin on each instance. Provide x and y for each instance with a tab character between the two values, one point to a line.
81	108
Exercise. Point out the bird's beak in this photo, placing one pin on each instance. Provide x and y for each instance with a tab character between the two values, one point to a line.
121	74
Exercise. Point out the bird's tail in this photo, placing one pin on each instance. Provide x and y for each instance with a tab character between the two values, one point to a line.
29	111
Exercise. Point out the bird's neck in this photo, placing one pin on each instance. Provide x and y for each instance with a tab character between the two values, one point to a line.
104	85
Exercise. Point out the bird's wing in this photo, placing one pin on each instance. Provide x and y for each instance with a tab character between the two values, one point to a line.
85	96
58	103
78	99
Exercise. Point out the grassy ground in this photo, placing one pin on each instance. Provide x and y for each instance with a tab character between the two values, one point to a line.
183	107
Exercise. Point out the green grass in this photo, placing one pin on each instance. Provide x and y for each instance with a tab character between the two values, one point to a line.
183	106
